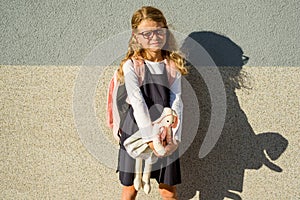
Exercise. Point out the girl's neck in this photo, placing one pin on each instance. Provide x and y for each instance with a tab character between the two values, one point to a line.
154	56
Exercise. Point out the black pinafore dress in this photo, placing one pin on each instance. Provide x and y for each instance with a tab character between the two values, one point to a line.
156	92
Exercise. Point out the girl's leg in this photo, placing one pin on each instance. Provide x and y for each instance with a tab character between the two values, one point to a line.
168	192
128	193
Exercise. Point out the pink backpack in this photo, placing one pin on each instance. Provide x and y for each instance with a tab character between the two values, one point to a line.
113	114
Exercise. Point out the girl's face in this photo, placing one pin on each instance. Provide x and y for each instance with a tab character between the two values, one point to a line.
151	35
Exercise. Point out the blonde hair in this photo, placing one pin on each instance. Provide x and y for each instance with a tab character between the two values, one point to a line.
169	51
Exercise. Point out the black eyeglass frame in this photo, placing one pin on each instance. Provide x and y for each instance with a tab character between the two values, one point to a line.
163	32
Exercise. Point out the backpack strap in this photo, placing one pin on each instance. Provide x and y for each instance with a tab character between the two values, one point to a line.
112	114
109	105
139	68
171	71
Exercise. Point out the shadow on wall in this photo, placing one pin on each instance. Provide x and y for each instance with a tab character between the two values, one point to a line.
220	174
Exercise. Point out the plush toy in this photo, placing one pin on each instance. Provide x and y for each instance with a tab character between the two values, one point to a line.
163	143
162	126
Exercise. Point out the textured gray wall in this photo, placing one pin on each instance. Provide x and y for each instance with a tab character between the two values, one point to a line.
63	32
42	154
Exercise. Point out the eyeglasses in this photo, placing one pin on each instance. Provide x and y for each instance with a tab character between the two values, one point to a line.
150	34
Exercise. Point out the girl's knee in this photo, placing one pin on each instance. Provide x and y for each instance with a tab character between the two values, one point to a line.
167	191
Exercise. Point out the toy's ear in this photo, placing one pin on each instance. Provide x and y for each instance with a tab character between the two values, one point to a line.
175	121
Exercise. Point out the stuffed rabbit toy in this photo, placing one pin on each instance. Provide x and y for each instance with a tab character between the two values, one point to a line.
163	143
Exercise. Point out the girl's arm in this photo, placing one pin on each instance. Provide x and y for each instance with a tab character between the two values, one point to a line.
177	105
136	99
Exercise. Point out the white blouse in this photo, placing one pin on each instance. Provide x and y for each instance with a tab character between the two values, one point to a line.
140	109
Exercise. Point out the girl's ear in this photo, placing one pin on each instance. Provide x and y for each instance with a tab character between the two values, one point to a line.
133	34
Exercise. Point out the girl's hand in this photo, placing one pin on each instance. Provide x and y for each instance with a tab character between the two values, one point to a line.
171	148
150	144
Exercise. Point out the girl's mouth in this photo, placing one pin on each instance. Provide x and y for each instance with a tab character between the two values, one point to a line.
155	44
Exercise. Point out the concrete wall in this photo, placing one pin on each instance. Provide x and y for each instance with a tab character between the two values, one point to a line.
63	32
42	46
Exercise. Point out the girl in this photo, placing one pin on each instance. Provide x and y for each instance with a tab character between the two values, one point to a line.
152	47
